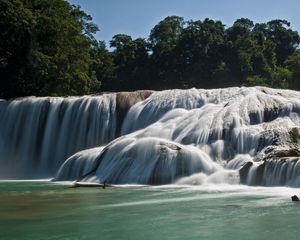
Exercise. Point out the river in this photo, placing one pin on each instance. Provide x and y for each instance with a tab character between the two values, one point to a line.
47	210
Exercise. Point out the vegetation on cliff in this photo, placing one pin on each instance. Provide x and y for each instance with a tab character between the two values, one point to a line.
47	47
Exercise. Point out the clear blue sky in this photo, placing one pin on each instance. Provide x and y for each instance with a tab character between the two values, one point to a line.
137	17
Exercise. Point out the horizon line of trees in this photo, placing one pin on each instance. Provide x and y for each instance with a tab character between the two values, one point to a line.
47	47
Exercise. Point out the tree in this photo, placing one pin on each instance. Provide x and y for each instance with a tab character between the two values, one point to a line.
293	65
252	54
164	38
47	47
240	49
54	39
131	59
15	45
200	52
286	40
102	69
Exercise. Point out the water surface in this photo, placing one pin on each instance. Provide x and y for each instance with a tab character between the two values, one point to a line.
46	210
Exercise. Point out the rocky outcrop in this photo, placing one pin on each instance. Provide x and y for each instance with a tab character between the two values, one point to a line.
280	167
244	172
275	153
124	101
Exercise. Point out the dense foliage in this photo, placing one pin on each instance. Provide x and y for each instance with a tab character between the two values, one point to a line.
47	48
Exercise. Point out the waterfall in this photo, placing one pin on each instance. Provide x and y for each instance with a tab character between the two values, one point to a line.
222	122
38	134
283	172
230	127
79	164
143	161
196	136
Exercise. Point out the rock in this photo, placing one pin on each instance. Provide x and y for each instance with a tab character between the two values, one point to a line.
244	172
124	101
295	198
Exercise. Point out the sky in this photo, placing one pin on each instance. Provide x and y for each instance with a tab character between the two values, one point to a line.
137	17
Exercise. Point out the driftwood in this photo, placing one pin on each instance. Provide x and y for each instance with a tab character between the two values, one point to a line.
89	184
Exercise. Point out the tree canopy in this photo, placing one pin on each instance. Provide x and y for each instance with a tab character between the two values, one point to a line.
44	48
47	47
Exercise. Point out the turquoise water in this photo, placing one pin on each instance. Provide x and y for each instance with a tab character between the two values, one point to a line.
45	210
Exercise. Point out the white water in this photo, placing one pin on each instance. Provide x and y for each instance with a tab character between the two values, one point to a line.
228	126
147	160
183	136
79	164
38	134
276	173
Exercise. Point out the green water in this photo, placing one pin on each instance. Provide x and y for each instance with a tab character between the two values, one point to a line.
44	210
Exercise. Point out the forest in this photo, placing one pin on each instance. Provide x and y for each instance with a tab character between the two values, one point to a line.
48	48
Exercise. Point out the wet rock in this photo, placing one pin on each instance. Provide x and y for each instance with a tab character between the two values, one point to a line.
295	198
244	172
124	101
278	153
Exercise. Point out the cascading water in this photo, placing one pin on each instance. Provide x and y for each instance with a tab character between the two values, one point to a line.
145	161
38	134
230	127
277	170
232	135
